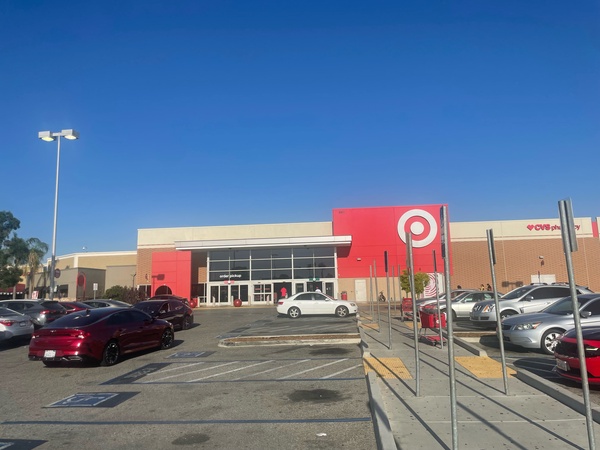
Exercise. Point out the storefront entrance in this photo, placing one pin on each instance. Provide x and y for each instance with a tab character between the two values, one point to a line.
225	294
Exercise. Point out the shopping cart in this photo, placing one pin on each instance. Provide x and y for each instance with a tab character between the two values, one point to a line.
432	321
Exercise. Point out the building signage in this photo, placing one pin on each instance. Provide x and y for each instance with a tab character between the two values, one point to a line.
377	230
547	227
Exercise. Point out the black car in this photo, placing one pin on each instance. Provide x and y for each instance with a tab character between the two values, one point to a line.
177	312
41	311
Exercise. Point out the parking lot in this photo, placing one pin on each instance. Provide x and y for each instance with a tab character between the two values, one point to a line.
198	393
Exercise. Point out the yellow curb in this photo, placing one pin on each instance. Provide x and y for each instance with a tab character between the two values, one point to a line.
372	326
483	366
388	368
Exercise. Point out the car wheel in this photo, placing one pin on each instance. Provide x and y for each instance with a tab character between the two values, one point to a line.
341	311
549	341
111	354
166	341
505	314
187	323
51	363
294	312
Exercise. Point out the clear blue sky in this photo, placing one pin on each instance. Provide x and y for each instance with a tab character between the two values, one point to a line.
198	113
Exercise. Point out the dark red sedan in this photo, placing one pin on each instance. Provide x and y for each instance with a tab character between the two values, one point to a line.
567	360
101	335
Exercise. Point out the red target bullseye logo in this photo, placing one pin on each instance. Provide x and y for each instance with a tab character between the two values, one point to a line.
421	224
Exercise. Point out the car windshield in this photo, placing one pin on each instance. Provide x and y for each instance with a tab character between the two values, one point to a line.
564	306
54	306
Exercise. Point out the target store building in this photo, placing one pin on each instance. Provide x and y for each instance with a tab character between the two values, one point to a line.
259	263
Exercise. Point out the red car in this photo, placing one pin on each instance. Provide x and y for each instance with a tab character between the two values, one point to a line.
101	335
567	360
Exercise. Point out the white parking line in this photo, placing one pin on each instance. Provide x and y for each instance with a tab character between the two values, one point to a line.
342	371
271	370
193	371
178	367
230	371
314	368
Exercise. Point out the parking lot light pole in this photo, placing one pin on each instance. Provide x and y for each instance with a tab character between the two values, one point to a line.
50	136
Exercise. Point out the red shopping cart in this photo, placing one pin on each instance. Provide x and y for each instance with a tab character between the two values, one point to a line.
432	321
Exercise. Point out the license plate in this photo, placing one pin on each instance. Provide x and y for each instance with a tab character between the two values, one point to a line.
562	365
23	324
49	353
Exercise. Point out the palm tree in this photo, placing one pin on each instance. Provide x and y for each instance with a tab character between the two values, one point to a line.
37	250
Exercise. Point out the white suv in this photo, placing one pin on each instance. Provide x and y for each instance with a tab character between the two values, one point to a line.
524	299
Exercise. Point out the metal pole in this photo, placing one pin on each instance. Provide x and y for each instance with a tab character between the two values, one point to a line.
53	259
414	308
400	294
389	306
567	230
394	288
492	253
437	299
377	290
451	363
371	290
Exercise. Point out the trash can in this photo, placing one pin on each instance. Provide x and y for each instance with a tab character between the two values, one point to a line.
344	295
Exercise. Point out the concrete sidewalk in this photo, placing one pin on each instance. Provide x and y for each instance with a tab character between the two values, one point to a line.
487	418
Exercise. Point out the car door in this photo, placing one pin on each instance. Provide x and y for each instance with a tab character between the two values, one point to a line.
593	308
177	312
322	303
306	303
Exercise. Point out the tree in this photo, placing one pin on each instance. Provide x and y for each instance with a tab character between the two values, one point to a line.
124	294
37	250
421	281
15	252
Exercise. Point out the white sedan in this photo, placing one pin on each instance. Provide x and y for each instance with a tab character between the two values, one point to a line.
305	303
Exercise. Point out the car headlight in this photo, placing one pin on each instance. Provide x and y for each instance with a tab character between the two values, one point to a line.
527	326
353	304
488	308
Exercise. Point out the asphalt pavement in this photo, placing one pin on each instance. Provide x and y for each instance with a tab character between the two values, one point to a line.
412	401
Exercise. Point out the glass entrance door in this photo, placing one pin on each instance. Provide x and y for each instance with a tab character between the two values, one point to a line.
227	293
263	293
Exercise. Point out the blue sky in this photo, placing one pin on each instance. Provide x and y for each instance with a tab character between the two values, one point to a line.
197	113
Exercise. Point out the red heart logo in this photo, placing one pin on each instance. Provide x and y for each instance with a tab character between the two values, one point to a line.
530	227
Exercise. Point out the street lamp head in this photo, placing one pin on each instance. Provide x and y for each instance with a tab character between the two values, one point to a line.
70	134
46	136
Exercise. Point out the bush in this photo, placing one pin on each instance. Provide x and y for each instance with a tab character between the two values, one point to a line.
124	294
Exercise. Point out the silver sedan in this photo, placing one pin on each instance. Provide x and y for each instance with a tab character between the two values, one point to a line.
14	324
540	330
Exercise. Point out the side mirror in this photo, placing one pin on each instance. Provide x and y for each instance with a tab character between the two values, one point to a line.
528	298
162	311
585	314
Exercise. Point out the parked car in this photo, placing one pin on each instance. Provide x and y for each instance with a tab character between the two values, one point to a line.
540	330
74	306
453	294
567	359
461	305
524	299
99	334
106	303
40	311
14	324
174	311
307	303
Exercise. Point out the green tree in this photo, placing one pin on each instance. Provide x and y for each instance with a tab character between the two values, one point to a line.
37	250
124	294
15	252
421	281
